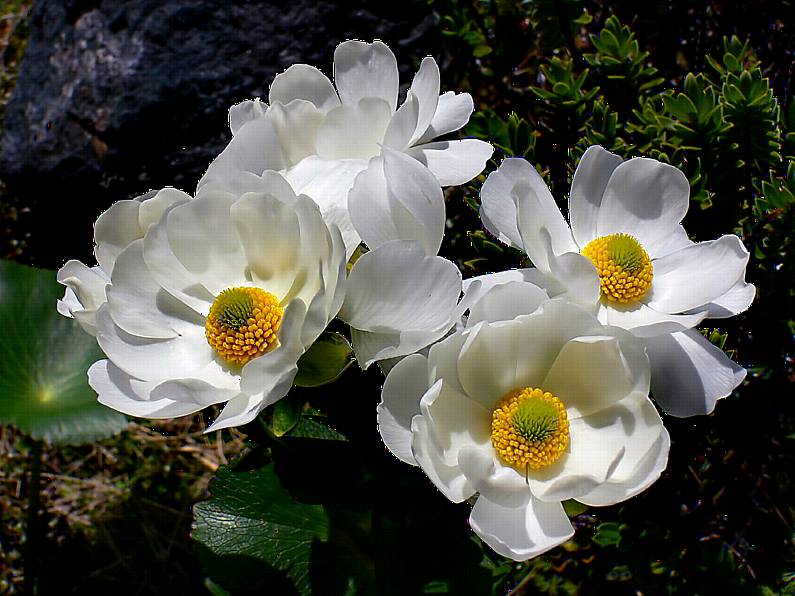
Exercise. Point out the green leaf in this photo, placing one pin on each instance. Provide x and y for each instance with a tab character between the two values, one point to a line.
286	413
312	429
44	356
250	515
324	361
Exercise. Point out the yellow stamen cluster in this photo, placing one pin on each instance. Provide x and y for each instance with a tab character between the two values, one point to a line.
624	268
529	429
243	323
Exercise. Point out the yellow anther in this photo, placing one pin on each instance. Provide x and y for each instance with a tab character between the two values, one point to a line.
529	429
624	268
243	323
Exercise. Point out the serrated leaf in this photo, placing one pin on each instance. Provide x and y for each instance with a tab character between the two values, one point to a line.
251	515
324	361
44	356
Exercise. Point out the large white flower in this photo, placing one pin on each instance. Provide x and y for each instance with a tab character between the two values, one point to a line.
527	411
626	255
125	222
321	138
216	303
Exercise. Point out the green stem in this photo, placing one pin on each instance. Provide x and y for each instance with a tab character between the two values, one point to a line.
32	530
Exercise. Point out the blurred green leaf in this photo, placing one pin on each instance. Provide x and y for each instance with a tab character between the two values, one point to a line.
44	356
286	413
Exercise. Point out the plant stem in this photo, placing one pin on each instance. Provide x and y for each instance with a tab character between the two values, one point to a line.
32	530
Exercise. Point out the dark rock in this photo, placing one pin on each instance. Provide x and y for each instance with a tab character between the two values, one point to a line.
116	97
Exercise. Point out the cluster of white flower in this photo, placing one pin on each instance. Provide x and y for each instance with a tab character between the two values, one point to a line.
526	387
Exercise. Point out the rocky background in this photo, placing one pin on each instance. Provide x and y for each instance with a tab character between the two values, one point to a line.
117	97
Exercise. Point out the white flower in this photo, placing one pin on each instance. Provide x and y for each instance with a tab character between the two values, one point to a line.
114	230
321	138
627	256
216	303
527	411
399	300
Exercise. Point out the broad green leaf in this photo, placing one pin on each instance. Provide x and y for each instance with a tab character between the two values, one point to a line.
44	356
250	515
324	361
312	429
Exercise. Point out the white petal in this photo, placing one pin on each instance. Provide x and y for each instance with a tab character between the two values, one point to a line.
238	411
353	130
646	199
196	391
453	162
396	198
203	238
253	150
697	275
493	480
85	289
403	124
575	273
689	374
504	302
400	402
183	356
302	81
497	207
114	230
598	444
117	390
454	421
622	486
643	321
521	533
375	346
443	360
326	182
399	287
245	111
676	240
170	273
542	228
452	112
271	235
366	70
736	300
587	188
296	124
138	304
594	372
425	87
531	275
448	479
271	375
501	357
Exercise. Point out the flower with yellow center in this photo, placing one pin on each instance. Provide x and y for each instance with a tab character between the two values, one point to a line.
624	255
243	324
527	411
529	429
216	303
624	268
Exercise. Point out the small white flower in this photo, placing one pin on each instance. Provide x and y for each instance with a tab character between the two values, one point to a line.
216	303
527	411
321	138
627	256
115	229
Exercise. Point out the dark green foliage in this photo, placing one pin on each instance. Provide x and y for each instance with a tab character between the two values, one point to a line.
684	89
